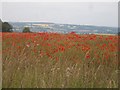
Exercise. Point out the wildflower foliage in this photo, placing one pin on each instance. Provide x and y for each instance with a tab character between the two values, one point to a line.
52	60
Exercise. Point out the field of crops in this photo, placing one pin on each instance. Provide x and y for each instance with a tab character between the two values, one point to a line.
51	60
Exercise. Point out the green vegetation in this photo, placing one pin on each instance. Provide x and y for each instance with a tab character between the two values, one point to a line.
50	60
26	30
5	26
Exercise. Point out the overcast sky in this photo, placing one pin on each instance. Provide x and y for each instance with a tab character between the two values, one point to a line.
99	13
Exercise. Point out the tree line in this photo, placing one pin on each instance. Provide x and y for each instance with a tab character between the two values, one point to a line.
6	27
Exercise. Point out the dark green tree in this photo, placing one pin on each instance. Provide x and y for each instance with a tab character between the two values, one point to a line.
6	27
0	25
26	30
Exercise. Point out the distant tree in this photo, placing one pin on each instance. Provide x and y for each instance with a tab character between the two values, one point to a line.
118	33
118	30
0	25
6	27
26	30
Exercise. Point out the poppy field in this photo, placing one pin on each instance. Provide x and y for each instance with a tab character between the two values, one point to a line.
53	60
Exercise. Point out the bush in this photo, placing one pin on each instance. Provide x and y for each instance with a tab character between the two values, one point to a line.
26	30
6	27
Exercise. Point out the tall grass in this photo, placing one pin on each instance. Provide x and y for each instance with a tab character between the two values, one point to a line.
0	60
50	60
